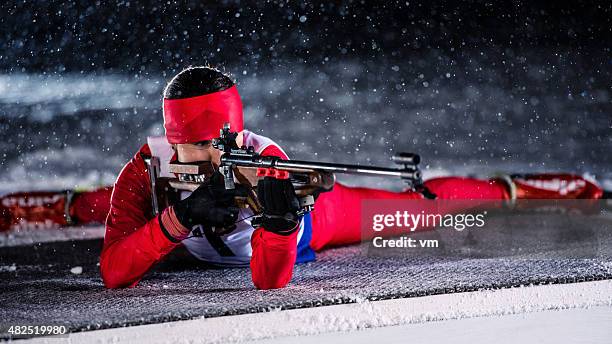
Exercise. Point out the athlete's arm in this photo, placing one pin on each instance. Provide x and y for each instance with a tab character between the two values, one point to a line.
134	238
274	254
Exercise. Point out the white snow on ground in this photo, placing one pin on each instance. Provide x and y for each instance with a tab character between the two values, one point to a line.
66	94
8	268
582	325
12	179
343	320
33	236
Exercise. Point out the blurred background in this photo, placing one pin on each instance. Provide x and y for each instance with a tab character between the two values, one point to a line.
475	87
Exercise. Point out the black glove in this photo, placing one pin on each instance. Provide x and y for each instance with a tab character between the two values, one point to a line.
277	196
210	205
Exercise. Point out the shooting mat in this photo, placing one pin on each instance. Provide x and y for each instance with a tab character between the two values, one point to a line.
38	286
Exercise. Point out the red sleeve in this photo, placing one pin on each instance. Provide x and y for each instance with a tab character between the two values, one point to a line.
134	240
273	255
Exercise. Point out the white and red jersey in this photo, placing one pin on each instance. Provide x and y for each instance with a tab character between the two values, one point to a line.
136	238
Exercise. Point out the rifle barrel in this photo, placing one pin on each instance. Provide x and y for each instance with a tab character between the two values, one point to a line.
409	172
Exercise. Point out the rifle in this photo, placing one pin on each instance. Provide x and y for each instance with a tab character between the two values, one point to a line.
247	167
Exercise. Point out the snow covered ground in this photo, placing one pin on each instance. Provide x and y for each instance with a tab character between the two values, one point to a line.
550	313
585	325
29	237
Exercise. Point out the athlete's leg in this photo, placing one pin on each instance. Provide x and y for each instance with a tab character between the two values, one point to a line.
91	206
467	188
337	215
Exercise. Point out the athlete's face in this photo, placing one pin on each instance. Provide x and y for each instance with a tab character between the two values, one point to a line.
190	152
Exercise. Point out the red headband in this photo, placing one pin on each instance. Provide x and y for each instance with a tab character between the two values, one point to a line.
200	118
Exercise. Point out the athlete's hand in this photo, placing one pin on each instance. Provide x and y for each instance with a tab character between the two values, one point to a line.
277	196
210	205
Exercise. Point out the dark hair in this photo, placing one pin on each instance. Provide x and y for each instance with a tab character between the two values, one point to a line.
197	81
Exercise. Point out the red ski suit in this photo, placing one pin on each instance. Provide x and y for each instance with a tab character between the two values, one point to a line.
135	241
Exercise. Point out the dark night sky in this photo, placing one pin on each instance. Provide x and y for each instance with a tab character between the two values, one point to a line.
147	36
